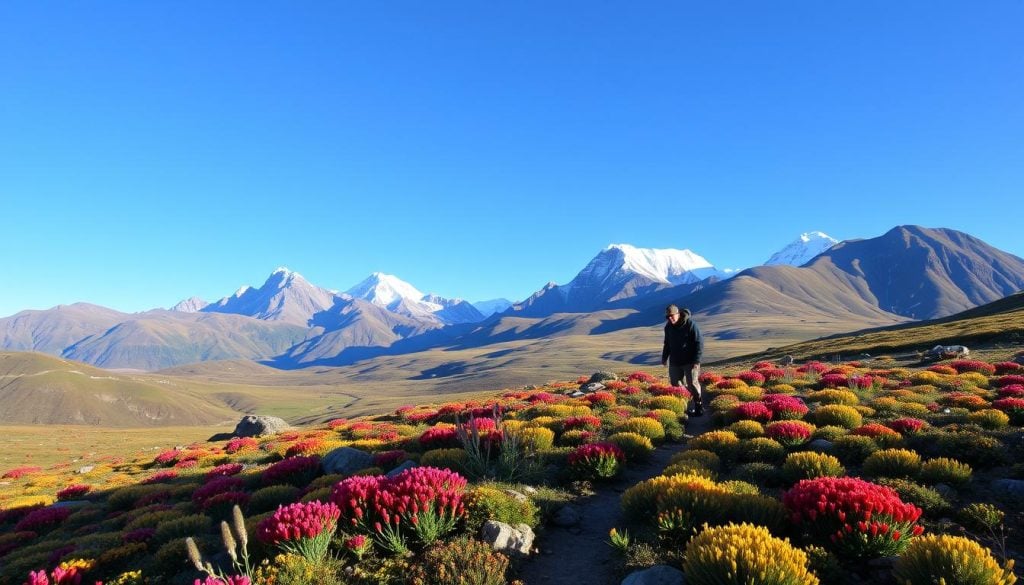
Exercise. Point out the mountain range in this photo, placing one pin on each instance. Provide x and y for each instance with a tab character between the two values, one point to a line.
909	273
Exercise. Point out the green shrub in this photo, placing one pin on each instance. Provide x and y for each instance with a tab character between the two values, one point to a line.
839	415
460	562
941	558
833	396
945	470
829	433
194	525
747	429
270	497
893	463
764	474
636	447
978	450
853	449
454	459
981	517
932	502
491	503
989	418
575	438
809	464
761	449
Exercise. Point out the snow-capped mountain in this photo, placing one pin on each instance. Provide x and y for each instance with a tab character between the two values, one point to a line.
618	272
398	296
492	306
285	296
801	251
190	305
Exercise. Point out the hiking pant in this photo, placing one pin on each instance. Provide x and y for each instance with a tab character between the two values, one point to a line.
687	376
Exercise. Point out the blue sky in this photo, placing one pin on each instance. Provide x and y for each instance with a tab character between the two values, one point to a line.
151	151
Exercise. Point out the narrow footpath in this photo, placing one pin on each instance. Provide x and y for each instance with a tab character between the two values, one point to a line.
580	555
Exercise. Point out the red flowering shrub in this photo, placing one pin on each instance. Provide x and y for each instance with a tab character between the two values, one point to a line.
311	446
1014	407
873	430
596	461
615	384
678	391
1007	367
546	397
856	518
297	471
942	369
730	384
305	528
813	368
241	444
217	485
752	411
43	519
773	373
604	399
228	580
224	470
587	423
630	391
19	472
785	407
1012	391
138	535
863	382
981	367
160	477
709	378
751	378
389	459
789	432
834	381
1008	380
73	491
906	425
642	377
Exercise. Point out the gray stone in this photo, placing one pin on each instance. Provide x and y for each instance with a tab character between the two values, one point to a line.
258	425
820	445
591	387
1019	359
1010	487
346	460
787	360
577	394
603	377
567	516
957	351
656	575
70	504
407	464
86	469
517	540
530	490
517	496
946	491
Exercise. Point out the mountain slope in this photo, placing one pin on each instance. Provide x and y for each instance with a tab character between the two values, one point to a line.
285	296
803	249
52	330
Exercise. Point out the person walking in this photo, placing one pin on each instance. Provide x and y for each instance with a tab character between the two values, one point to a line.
684	346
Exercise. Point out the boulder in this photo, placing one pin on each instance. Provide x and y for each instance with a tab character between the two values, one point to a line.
590	387
603	377
517	540
257	426
948	351
346	460
787	360
820	445
85	469
1009	487
407	464
656	575
70	504
517	496
577	394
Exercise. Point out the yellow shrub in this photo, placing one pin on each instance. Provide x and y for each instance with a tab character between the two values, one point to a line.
833	396
725	444
940	558
641	425
536	438
744	554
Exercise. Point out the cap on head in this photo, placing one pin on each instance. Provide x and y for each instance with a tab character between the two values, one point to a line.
671	310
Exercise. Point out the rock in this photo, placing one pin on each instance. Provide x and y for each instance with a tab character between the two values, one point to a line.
787	360
946	491
656	575
1010	487
407	464
948	351
590	387
603	377
567	516
86	469
346	460
577	394
70	504
257	426
506	538
530	490
519	497
1019	358
820	445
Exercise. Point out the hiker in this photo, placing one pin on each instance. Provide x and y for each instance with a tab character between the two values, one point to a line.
682	353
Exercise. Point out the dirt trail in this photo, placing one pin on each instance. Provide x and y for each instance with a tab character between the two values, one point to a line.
580	555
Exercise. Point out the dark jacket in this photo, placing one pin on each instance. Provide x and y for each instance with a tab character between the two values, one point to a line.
684	343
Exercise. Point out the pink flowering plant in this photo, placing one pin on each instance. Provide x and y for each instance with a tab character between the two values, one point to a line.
423	501
304	528
857	518
596	461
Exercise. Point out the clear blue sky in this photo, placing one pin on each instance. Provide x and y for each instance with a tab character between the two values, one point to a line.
151	151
